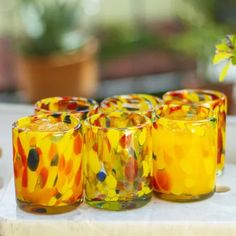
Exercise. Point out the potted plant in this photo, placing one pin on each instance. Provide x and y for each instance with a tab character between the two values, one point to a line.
55	57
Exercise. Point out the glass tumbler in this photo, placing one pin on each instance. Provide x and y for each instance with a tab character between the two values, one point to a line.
185	166
142	103
47	163
217	102
79	106
118	160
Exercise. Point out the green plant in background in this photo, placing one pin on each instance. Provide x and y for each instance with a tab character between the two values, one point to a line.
225	51
203	29
120	40
49	26
197	41
206	9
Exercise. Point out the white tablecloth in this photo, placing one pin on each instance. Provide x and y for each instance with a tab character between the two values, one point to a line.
214	216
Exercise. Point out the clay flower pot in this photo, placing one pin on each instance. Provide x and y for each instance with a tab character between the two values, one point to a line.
73	74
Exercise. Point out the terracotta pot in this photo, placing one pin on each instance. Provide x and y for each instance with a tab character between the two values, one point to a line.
74	74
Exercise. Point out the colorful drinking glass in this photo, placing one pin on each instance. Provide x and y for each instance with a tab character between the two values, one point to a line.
185	165
118	160
79	106
47	163
217	102
142	103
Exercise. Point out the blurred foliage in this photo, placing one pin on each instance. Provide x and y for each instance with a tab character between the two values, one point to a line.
49	26
120	40
194	40
216	10
53	26
203	32
205	8
198	41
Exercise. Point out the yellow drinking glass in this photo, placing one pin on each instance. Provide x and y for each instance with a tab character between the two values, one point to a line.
142	103
47	163
217	102
185	149
118	160
79	106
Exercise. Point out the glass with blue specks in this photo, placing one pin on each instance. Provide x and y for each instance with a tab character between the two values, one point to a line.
47	160
118	160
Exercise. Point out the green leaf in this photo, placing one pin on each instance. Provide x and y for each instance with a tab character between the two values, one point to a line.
222	47
224	71
221	56
233	39
233	60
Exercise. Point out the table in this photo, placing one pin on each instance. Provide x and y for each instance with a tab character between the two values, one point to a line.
214	216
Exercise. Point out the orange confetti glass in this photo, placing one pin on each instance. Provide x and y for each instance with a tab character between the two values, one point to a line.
217	102
118	160
47	163
184	165
79	106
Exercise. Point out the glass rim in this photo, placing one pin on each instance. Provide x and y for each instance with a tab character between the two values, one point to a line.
181	119
77	123
91	102
220	96
141	95
147	121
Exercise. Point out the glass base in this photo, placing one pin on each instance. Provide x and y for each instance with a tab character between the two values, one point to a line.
120	205
183	197
41	209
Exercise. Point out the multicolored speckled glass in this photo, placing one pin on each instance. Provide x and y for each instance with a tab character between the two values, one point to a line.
81	107
47	163
217	102
142	103
118	160
184	167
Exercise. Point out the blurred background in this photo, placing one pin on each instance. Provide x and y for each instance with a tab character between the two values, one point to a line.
99	48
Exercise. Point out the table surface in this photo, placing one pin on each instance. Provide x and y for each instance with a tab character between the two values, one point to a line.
214	216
